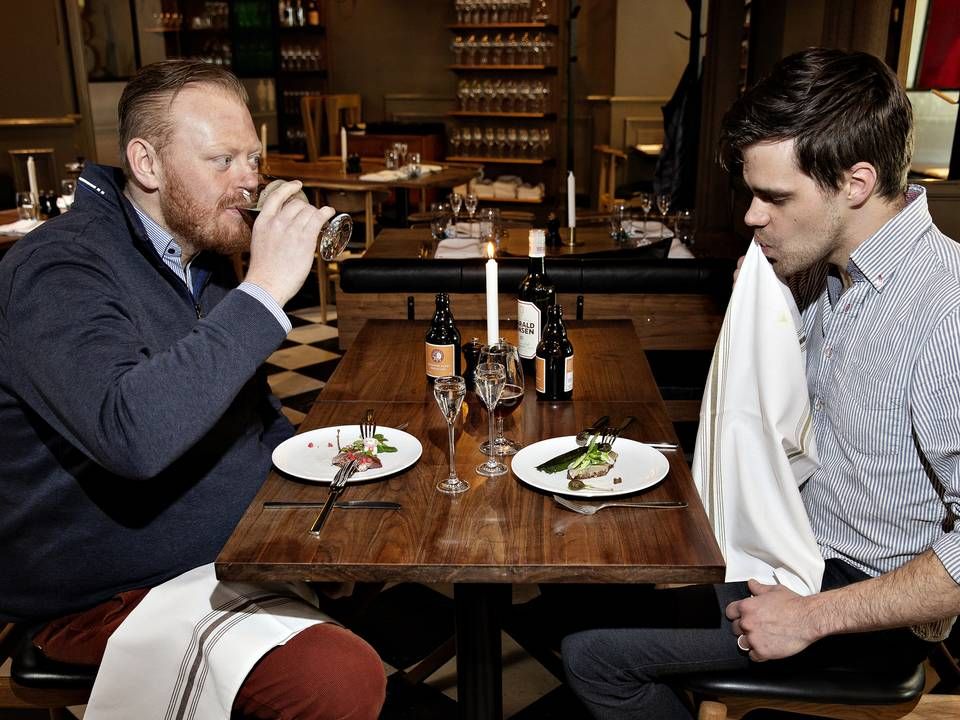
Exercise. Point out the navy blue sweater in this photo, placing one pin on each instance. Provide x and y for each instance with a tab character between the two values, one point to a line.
133	434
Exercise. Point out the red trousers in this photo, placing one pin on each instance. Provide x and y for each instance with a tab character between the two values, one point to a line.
323	672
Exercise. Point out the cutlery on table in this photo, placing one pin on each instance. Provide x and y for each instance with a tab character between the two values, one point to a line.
610	435
336	487
585	509
583	437
564	459
341	505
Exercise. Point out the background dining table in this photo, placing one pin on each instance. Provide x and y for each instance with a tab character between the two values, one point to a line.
500	532
330	174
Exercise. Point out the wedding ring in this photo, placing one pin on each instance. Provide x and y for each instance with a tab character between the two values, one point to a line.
740	645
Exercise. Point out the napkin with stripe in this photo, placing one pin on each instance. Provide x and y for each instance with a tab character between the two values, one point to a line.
755	444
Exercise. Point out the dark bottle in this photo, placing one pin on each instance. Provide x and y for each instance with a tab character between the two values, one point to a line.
471	353
442	343
553	230
535	295
48	204
554	359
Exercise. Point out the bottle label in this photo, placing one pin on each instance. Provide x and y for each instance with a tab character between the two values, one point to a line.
541	375
528	329
567	374
537	243
440	360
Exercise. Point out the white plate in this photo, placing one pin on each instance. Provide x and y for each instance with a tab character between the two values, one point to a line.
309	455
638	465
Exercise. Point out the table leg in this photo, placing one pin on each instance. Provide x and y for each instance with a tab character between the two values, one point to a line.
368	218
479	671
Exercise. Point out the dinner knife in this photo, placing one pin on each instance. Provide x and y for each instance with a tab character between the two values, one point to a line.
341	505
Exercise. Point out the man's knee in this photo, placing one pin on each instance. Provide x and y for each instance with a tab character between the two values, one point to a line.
323	672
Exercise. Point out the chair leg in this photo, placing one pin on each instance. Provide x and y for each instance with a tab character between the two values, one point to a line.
432	662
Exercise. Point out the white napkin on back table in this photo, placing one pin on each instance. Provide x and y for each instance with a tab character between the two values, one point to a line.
755	444
458	247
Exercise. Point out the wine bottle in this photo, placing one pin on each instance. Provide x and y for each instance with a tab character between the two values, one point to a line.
313	13
535	295
554	359
442	343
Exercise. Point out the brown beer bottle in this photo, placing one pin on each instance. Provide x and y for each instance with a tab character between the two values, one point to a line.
442	343
554	362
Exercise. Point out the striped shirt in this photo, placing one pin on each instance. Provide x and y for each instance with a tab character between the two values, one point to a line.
171	253
883	370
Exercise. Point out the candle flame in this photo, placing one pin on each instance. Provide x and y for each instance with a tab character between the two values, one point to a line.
490	250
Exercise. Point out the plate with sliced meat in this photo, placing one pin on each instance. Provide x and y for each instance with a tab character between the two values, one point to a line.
318	454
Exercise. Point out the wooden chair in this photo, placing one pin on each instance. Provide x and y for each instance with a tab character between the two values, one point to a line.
311	112
607	180
341	110
35	681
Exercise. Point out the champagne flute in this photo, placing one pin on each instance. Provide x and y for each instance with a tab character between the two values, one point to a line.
449	392
456	202
470	201
646	202
663	205
504	354
489	380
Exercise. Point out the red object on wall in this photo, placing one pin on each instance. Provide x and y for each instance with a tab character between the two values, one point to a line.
940	62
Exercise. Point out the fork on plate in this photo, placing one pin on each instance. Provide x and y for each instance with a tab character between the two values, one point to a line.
585	509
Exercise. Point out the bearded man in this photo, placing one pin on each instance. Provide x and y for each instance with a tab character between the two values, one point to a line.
135	427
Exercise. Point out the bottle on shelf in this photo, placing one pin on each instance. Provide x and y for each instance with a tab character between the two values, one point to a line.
313	13
535	295
554	360
442	343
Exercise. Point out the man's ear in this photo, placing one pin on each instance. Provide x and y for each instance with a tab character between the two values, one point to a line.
144	162
861	181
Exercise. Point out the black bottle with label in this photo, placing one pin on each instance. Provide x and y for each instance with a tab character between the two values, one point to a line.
442	343
554	368
535	295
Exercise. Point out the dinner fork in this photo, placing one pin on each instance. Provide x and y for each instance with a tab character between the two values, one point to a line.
336	487
585	509
610	434
368	428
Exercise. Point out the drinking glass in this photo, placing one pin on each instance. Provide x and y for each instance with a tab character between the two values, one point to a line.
449	392
619	217
490	230
663	205
470	203
26	207
439	220
506	356
489	380
456	202
646	202
68	189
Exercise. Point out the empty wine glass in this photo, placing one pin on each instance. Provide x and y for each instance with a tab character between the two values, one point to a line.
449	392
470	201
26	207
505	355
68	189
663	205
619	218
456	202
489	380
646	202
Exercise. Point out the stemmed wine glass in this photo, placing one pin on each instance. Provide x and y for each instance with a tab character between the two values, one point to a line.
505	355
456	202
646	202
663	205
334	236
449	392
489	379
470	201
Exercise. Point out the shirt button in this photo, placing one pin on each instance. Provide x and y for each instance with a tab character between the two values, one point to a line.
828	351
818	404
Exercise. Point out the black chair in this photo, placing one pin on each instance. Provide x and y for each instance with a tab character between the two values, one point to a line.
36	681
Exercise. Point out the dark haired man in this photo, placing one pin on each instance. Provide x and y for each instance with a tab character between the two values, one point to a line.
134	425
824	145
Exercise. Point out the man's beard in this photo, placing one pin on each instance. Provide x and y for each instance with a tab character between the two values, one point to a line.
204	228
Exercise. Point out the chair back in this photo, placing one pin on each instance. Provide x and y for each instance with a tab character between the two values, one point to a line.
341	110
607	180
311	110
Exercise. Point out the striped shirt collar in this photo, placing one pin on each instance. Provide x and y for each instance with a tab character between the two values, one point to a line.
877	258
164	243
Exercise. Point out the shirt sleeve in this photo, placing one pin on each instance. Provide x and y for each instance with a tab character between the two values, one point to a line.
266	299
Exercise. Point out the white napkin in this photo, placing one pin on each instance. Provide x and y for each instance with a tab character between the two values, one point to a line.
679	251
755	444
153	666
383	176
464	230
20	227
649	228
458	247
424	168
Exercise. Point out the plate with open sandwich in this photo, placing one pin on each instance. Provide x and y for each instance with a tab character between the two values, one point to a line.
629	467
318	454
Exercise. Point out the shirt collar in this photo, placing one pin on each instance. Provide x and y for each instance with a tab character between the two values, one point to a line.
162	239
877	258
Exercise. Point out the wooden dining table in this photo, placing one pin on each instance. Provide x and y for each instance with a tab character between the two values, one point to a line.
330	174
500	532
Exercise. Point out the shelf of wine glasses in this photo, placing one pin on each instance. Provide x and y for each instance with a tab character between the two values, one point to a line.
498	160
477	113
504	26
509	68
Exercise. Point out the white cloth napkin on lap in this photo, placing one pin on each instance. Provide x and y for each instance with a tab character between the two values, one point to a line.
186	649
755	444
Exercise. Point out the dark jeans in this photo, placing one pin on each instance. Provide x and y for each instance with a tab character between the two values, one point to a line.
625	670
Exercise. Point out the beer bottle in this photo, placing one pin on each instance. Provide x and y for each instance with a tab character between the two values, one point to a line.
554	359
442	343
535	295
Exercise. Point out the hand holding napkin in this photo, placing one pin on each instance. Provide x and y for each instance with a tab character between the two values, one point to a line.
755	444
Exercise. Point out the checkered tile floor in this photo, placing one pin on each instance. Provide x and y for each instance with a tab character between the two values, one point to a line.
298	370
